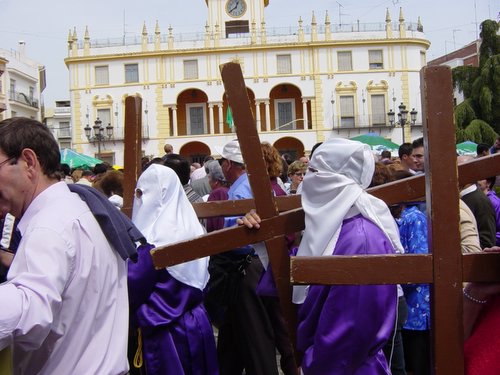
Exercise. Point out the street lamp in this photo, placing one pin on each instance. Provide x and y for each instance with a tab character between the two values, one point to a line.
332	101
413	116
402	117
99	135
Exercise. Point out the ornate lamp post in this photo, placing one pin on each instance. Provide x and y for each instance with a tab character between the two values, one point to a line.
402	117
98	135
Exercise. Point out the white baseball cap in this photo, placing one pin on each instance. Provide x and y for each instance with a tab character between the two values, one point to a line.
231	151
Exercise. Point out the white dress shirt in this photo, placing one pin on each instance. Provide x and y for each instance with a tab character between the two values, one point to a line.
64	306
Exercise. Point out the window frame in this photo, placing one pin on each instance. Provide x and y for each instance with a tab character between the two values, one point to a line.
190	72
293	121
188	117
382	111
284	64
128	72
98	77
340	64
105	120
64	129
376	62
349	120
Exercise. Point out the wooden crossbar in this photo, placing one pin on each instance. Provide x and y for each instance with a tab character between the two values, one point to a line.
406	190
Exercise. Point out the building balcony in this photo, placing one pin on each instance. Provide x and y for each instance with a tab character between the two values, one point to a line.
22	98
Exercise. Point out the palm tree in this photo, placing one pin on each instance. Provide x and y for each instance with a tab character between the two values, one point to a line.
477	118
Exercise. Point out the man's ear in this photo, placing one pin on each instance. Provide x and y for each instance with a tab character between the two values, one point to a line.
29	157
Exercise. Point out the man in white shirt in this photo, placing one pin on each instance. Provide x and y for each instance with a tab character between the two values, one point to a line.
64	305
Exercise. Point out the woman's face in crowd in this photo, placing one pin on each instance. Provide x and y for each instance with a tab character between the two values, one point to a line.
297	177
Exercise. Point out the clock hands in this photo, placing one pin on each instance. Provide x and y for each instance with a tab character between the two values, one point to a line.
235	6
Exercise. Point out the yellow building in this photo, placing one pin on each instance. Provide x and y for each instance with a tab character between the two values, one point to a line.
306	83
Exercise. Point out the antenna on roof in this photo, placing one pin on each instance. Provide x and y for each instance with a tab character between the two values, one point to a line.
124	27
340	13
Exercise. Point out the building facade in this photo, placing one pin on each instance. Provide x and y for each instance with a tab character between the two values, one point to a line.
305	83
58	120
21	82
467	55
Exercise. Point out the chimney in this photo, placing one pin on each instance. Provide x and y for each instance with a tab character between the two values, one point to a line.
22	47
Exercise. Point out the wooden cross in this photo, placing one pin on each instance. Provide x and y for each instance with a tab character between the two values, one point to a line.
133	153
445	268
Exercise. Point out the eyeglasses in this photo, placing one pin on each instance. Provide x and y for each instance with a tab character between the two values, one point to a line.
300	174
7	160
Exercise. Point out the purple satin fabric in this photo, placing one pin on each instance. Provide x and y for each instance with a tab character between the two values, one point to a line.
342	329
177	335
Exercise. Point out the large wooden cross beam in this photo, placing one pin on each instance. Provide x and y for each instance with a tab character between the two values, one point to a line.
407	190
132	152
291	220
445	268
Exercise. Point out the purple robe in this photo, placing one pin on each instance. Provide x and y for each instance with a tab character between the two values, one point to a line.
176	333
216	222
342	329
495	202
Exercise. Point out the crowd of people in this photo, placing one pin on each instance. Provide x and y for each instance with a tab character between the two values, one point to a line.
82	295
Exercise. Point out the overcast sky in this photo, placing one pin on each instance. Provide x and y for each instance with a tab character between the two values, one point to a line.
44	25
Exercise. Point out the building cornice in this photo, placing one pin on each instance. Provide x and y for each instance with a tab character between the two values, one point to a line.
247	48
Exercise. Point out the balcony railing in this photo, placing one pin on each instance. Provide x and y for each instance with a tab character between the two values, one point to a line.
62	110
21	97
271	33
64	133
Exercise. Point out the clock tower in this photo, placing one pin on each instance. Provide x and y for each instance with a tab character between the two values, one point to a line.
235	17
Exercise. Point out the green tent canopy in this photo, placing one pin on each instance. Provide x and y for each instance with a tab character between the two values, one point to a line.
77	160
467	148
376	142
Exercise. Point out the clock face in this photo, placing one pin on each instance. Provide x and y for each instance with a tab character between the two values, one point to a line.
236	8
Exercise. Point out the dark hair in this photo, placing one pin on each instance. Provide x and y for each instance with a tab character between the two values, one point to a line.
180	165
19	133
386	154
87	173
314	148
64	168
491	182
100	168
419	142
482	147
112	183
284	170
288	158
405	149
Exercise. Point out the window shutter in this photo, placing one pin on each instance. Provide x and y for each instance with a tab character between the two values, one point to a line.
101	75
190	69
344	60
284	64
